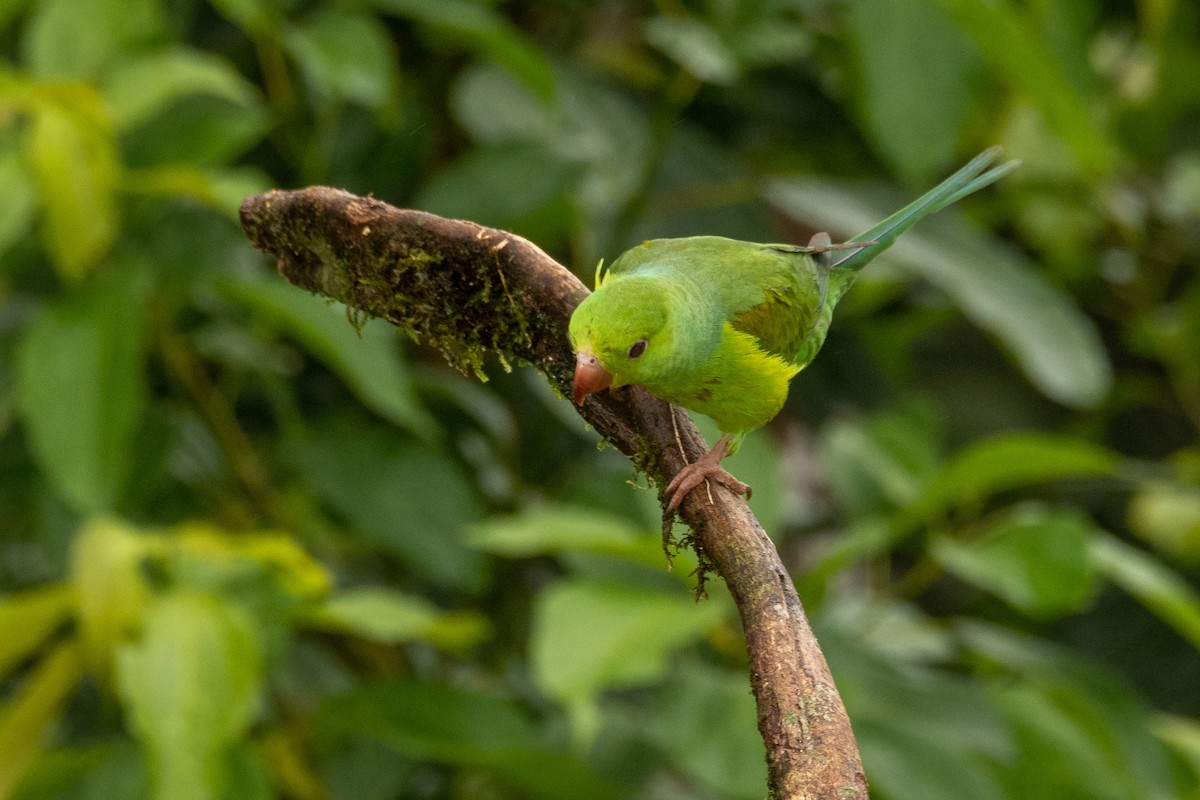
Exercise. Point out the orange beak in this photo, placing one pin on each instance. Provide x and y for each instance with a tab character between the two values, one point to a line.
589	376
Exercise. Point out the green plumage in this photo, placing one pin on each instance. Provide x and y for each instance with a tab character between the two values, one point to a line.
727	324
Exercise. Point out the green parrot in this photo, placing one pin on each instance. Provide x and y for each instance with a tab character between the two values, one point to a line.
720	326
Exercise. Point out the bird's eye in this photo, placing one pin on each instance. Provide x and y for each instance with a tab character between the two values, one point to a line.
637	348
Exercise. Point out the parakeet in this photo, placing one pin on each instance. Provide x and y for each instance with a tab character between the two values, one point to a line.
721	326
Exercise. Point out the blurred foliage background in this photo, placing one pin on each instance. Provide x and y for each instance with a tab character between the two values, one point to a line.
246	552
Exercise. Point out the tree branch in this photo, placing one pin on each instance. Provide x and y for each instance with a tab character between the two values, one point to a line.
470	289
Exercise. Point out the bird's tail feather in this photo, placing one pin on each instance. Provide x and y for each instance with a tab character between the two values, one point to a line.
971	178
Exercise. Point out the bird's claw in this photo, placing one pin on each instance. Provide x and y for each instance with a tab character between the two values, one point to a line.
697	473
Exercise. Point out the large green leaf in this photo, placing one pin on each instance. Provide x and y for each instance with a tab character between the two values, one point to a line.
917	72
197	130
140	87
1058	347
591	124
708	726
408	501
439	722
1080	740
223	190
1035	558
883	462
1007	462
81	389
556	529
29	618
27	715
924	734
1167	515
20	198
695	45
591	635
1091	724
77	38
367	359
1159	588
479	187
1024	59
345	56
75	167
111	588
388	616
190	688
477	27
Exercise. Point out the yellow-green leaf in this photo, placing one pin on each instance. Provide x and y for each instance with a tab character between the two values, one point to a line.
27	619
25	717
106	570
190	687
390	617
76	169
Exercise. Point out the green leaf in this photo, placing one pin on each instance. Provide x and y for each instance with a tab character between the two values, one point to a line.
908	764
111	768
199	130
1007	462
413	502
27	714
883	462
253	16
1182	735
1167	515
479	186
434	721
428	720
695	46
727	757
203	555
1097	733
75	167
10	9
555	529
99	32
390	617
1160	589
107	570
1022	57
367	359
924	734
28	619
81	389
140	87
917	72
996	287
222	190
1056	701
345	56
482	30
591	635
496	108
20	199
591	126
1035	558
190	687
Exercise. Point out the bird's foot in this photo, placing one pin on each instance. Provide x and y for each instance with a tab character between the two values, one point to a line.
707	467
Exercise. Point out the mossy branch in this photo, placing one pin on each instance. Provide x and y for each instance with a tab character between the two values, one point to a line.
471	289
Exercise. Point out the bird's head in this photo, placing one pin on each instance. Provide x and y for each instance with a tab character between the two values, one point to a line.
621	335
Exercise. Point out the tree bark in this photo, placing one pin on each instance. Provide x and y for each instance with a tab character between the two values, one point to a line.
470	289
